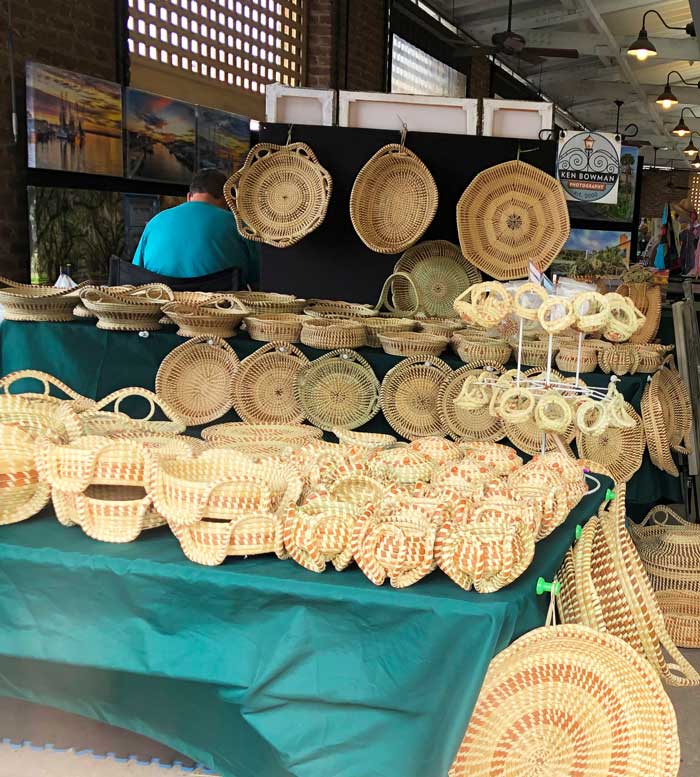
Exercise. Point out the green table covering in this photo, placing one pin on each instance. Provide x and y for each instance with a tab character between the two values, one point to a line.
95	362
257	667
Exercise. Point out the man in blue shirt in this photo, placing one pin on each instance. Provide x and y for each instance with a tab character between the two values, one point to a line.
199	237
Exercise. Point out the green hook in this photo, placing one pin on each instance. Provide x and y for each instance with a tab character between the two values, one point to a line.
543	587
579	532
610	495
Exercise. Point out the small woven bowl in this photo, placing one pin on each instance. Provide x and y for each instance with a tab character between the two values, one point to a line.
330	334
442	327
412	343
275	327
568	356
472	350
270	302
385	325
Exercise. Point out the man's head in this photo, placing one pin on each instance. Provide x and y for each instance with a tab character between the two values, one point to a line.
208	186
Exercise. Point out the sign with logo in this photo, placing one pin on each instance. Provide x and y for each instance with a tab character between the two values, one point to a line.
588	166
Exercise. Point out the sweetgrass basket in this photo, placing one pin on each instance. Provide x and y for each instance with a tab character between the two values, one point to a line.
218	317
121	312
385	325
39	303
338	391
240	433
487	350
443	327
197	380
275	327
329	334
280	195
570	700
393	200
412	343
264	392
22	492
260	302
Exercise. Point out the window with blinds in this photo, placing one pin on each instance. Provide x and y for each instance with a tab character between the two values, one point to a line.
415	72
243	43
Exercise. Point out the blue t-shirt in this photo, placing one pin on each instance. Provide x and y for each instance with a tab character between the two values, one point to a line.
195	239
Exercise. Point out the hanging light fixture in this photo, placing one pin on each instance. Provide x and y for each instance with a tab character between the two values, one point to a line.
667	99
696	164
643	48
690	150
682	129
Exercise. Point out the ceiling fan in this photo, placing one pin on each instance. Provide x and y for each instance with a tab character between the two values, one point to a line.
514	45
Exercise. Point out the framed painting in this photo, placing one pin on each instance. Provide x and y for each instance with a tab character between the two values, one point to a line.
223	139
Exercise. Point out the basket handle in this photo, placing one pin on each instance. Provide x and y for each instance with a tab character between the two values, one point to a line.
390	305
44	378
93	294
116	397
154	292
651	517
226	304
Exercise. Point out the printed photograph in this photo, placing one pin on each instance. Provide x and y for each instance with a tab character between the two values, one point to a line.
623	210
77	227
74	122
223	140
160	136
594	252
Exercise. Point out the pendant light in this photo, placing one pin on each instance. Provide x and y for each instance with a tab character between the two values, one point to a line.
682	129
643	48
667	99
691	150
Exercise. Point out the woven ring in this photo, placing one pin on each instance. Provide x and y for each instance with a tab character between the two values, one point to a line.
530	314
513	396
553	422
544	312
491	303
623	321
591	321
600	418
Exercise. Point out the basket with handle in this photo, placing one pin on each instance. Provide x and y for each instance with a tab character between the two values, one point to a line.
122	312
77	401
260	302
39	303
399	288
216	317
172	424
23	493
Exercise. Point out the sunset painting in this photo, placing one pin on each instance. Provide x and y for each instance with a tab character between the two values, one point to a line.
223	139
160	137
74	122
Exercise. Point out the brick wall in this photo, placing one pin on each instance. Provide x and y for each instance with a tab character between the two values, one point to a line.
321	44
656	193
77	35
367	44
480	77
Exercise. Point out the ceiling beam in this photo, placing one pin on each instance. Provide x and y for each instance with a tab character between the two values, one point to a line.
527	20
592	44
695	13
687	95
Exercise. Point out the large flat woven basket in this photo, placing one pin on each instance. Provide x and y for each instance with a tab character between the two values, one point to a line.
509	215
280	195
393	200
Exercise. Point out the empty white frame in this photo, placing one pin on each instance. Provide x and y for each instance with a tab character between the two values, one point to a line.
421	113
516	118
295	105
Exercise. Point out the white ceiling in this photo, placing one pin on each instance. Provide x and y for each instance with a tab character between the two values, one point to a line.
601	30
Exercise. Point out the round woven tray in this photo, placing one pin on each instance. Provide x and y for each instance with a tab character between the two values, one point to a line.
619	450
568	700
440	274
412	343
280	194
460	423
197	379
409	396
239	432
275	327
675	402
509	215
655	418
338	391
264	392
393	200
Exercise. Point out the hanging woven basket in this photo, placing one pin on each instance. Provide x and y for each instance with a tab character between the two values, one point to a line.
393	200
280	195
509	215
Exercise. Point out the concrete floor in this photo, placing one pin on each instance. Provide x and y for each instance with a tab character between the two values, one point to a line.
21	721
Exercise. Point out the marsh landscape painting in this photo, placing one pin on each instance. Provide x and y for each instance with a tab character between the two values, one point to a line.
223	140
74	122
160	135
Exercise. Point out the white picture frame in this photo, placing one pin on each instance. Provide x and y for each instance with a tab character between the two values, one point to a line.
421	113
516	118
298	105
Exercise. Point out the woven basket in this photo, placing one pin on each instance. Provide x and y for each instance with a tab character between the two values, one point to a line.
500	459
317	463
338	391
472	350
197	380
78	402
280	195
675	402
338	309
368	440
121	312
649	302
412	343
275	327
567	700
627	599
463	423
396	543
241	433
264	302
439	450
41	420
218	317
440	274
656	431
620	360
509	214
486	555
669	548
22	492
620	451
330	334
399	465
409	396
393	200
651	357
172	425
385	325
38	303
567	358
534	353
264	393
442	327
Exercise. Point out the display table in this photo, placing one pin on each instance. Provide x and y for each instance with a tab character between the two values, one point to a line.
95	362
257	667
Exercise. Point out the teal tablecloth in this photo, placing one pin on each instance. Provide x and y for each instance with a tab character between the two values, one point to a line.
96	362
257	667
